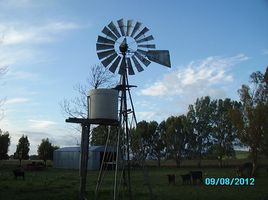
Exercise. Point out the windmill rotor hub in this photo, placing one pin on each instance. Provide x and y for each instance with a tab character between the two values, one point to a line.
123	47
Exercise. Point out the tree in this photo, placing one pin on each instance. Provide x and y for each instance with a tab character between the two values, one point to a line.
45	150
223	132
158	145
99	76
34	157
141	139
175	137
200	118
251	120
99	135
4	144
23	148
264	93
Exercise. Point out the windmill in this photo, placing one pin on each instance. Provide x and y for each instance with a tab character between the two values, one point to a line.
127	45
125	48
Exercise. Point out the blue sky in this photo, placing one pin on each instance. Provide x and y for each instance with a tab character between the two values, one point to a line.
49	46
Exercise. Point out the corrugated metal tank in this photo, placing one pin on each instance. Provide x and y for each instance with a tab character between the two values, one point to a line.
68	157
103	104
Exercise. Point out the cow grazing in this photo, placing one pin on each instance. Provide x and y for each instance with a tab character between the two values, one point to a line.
186	178
197	177
171	179
18	172
245	170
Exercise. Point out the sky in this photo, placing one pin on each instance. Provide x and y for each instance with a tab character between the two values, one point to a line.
50	45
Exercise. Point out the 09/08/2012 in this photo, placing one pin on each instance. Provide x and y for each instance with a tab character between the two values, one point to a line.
230	181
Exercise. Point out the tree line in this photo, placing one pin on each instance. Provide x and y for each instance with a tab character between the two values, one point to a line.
44	150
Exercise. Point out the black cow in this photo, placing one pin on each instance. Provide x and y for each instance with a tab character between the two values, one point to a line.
186	178
171	179
197	177
18	172
245	170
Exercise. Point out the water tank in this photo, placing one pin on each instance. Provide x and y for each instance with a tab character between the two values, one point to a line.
103	104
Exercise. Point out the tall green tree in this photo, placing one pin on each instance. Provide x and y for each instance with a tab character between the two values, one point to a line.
264	93
176	137
45	150
224	135
23	148
99	135
4	144
200	118
158	144
252	120
141	139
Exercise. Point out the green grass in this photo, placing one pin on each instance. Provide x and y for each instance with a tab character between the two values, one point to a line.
56	184
241	154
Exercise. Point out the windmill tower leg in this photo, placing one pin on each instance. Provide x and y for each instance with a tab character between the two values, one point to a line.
124	124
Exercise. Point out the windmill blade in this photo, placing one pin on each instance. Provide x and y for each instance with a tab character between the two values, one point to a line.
115	64
108	33
136	28
146	39
105	40
122	68
161	57
149	46
144	30
104	46
142	59
104	54
114	29
129	26
122	27
142	52
130	68
109	59
137	64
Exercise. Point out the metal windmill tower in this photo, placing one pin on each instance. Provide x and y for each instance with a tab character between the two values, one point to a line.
125	48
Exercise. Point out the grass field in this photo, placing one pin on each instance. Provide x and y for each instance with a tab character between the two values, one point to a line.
60	184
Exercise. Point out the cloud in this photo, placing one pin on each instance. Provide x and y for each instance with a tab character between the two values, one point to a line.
18	42
19	33
198	78
264	52
10	56
41	124
36	135
177	89
15	75
146	115
17	100
16	3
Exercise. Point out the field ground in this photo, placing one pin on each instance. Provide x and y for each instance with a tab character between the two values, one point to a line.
60	184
